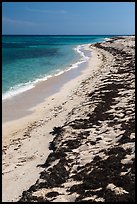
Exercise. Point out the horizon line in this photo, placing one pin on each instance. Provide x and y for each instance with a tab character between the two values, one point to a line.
64	34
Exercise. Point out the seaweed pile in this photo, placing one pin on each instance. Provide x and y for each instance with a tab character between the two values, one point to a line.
93	152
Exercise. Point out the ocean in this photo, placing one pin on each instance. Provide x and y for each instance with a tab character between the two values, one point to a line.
27	60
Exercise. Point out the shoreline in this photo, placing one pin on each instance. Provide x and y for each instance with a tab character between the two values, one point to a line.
9	95
39	93
21	133
31	135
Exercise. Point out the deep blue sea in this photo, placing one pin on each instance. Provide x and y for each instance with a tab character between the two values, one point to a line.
29	59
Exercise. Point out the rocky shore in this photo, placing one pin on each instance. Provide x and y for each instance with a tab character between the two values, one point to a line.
93	152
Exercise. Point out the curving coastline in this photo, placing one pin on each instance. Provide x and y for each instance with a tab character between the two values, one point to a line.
91	153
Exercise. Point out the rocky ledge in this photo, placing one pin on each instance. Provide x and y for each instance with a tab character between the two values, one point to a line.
93	152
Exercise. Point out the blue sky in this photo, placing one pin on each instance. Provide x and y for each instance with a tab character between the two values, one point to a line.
68	18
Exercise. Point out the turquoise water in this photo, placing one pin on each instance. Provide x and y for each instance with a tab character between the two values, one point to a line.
29	59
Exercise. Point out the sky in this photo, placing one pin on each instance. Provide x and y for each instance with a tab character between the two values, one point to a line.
68	18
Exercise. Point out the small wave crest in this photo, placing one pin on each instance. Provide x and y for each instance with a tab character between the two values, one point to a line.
106	39
13	91
22	87
83	59
79	50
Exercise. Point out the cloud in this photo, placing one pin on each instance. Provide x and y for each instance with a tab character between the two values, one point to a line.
18	22
47	11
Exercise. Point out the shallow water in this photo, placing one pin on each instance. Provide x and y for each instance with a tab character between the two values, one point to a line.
29	59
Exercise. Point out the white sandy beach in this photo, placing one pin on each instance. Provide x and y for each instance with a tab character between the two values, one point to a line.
26	137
